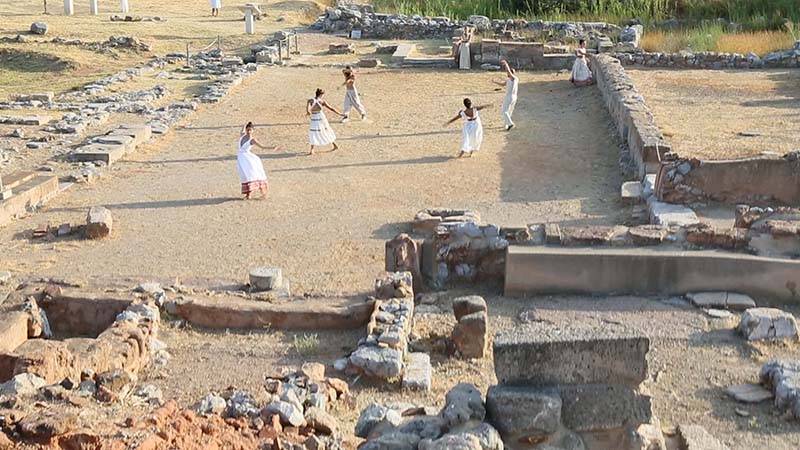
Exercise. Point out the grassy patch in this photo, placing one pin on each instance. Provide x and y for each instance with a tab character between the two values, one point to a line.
714	38
305	345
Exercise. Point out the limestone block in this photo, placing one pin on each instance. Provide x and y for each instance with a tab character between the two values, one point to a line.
759	324
98	223
417	374
266	278
523	412
463	306
470	335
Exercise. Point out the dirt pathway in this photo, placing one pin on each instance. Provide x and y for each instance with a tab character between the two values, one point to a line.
177	209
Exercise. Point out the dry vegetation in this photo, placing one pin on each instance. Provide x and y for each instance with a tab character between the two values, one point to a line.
713	39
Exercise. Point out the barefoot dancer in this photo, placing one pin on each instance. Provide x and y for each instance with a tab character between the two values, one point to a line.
472	133
215	6
511	85
320	132
351	98
251	170
581	75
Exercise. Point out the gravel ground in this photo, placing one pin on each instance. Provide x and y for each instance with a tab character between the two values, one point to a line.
704	113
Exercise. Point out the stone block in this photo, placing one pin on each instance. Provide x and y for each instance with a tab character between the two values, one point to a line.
721	300
695	437
403	255
463	306
13	331
596	407
108	153
760	324
98	223
380	362
748	393
470	335
542	354
523	412
669	214
50	360
631	192
139	132
115	139
552	234
265	278
417	374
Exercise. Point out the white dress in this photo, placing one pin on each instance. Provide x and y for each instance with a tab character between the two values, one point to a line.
472	133
464	59
320	131
216	4
512	87
250	167
580	69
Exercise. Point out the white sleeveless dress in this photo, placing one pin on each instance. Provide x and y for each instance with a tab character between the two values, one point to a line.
251	170
580	69
472	133
320	131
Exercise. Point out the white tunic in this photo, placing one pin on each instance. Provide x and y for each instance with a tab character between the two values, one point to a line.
216	4
464	59
580	69
320	131
249	165
472	133
512	86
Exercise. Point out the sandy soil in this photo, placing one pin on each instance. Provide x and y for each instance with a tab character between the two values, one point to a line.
178	212
705	113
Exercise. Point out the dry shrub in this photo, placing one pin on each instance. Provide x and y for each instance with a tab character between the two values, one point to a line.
760	43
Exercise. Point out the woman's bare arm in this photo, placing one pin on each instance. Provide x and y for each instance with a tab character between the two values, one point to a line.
458	116
325	104
308	108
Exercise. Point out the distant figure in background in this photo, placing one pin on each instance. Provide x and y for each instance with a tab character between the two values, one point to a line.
351	97
320	131
215	7
472	133
464	57
581	75
510	101
251	170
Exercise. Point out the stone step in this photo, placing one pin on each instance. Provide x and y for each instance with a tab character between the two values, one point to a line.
17	178
695	437
108	153
428	62
669	214
403	51
543	354
29	194
621	271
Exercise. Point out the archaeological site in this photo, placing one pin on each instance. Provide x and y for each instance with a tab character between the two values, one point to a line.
399	225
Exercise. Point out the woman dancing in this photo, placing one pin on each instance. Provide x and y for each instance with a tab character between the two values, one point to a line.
351	97
320	132
472	133
512	87
581	75
251	170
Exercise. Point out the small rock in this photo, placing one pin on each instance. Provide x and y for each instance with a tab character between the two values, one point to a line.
24	384
289	413
321	421
313	371
39	28
767	324
211	404
749	393
372	415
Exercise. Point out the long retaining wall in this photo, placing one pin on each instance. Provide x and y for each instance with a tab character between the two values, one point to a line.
546	270
760	180
634	120
712	60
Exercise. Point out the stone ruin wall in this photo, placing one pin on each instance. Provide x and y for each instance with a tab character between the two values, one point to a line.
712	60
759	180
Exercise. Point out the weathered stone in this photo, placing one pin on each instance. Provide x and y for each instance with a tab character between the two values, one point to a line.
98	223
768	323
242	404
552	233
403	255
116	381
24	384
39	28
721	300
289	413
394	285
211	404
695	437
418	372
573	354
471	335
595	407
522	412
372	415
426	427
265	278
631	192
321	421
463	306
748	393
313	371
48	359
378	361
452	442
393	440
462	403
44	425
487	435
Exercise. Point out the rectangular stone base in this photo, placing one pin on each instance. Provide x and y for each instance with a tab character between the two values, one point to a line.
593	407
547	270
108	153
543	354
31	193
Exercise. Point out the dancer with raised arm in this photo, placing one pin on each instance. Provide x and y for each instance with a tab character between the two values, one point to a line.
510	101
472	132
581	75
320	132
351	97
251	170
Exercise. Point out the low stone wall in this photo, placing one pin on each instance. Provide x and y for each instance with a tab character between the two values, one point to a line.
522	55
712	60
348	17
760	180
632	117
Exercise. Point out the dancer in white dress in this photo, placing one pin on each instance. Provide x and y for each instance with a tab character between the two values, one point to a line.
464	57
351	97
472	133
251	170
320	131
215	7
510	101
581	75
